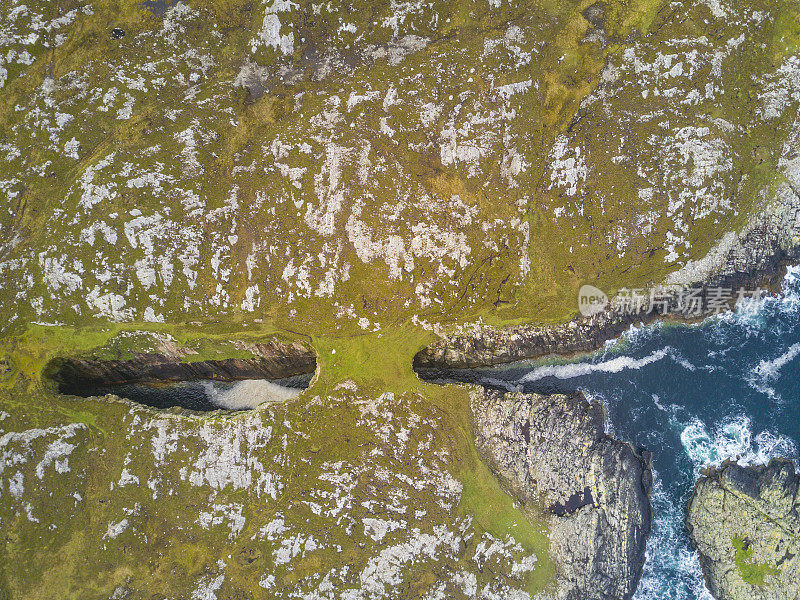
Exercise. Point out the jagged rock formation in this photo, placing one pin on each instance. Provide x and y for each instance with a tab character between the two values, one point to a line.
494	346
745	522
554	450
339	169
767	242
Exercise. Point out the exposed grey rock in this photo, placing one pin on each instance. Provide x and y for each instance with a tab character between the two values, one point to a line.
491	346
756	508
366	509
768	241
554	450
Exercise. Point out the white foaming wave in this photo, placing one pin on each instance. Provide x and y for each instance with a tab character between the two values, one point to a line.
634	334
597	397
672	569
770	369
789	299
683	362
614	365
760	386
249	393
791	286
733	439
787	303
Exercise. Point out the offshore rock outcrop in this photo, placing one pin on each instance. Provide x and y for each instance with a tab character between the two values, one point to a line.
745	523
271	360
555	450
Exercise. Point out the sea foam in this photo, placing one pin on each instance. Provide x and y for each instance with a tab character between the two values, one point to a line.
672	567
613	365
732	439
770	369
248	394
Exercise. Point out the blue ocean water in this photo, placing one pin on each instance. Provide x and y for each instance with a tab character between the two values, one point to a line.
695	396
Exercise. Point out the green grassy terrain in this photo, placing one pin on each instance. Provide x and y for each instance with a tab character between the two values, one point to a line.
751	572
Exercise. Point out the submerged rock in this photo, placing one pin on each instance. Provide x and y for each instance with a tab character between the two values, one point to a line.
554	450
745	523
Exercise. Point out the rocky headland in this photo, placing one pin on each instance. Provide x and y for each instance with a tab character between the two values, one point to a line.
345	171
745	523
554	452
754	257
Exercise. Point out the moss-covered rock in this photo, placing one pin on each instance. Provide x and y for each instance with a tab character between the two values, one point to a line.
744	522
347	491
337	168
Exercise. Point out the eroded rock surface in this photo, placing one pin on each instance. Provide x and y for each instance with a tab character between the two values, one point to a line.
555	450
492	346
745	522
753	257
344	167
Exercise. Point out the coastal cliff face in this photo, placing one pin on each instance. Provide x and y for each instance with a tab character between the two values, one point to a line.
745	522
348	492
494	346
553	451
754	257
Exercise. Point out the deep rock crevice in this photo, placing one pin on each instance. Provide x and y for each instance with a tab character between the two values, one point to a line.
493	347
271	361
276	372
755	257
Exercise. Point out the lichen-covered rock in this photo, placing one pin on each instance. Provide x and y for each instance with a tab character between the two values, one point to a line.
342	167
753	257
553	450
745	523
332	170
